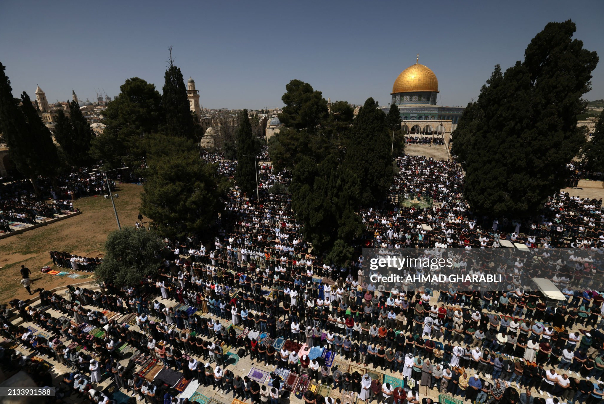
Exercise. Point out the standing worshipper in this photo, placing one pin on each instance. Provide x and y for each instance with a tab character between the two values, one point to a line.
95	372
426	379
365	387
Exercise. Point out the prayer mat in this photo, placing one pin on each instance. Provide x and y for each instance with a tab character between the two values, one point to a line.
62	273
394	382
232	359
328	357
191	311
199	398
278	344
235	401
76	276
282	373
375	375
268	341
304	350
52	272
301	386
290	382
44	335
291	346
214	400
253	335
169	376
182	385
33	330
190	390
120	398
348	397
313	387
324	390
258	375
315	352
147	366
150	376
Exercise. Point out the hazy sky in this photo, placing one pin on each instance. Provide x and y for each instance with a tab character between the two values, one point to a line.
243	53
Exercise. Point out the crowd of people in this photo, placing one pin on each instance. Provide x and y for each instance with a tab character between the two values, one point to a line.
20	202
486	346
427	139
75	262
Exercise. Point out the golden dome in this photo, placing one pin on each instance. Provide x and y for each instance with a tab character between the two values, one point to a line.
415	78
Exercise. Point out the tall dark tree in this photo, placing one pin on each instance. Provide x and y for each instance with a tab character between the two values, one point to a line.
13	126
304	107
516	140
368	159
594	149
131	255
182	194
136	113
393	119
179	121
322	203
29	141
246	154
339	124
75	135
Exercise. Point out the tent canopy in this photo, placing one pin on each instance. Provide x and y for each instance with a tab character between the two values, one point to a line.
548	289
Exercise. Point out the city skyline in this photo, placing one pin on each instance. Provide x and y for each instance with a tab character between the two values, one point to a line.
243	55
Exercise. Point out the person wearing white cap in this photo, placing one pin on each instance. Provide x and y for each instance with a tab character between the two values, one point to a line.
95	372
408	367
365	387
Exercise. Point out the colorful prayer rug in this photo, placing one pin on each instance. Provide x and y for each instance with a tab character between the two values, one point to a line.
258	375
199	398
278	344
182	385
394	382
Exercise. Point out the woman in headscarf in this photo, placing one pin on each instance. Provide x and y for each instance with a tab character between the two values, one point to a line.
365	387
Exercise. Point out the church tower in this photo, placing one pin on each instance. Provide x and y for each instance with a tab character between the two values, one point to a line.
193	96
41	99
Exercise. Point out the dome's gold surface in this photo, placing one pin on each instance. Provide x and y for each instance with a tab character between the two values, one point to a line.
415	78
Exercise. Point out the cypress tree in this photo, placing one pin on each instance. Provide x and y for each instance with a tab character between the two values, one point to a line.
75	135
516	140
179	121
246	154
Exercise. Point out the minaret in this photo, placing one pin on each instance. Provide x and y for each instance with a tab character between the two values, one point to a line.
75	97
193	96
41	99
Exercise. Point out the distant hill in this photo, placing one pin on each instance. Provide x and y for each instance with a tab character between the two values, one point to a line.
595	104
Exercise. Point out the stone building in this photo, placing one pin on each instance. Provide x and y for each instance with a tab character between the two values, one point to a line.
193	96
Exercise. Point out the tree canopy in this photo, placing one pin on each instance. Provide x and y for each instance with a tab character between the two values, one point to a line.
246	155
304	107
130	256
179	121
516	140
594	150
368	159
182	194
75	135
136	113
29	142
339	164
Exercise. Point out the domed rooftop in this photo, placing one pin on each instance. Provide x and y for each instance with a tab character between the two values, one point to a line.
191	80
415	78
